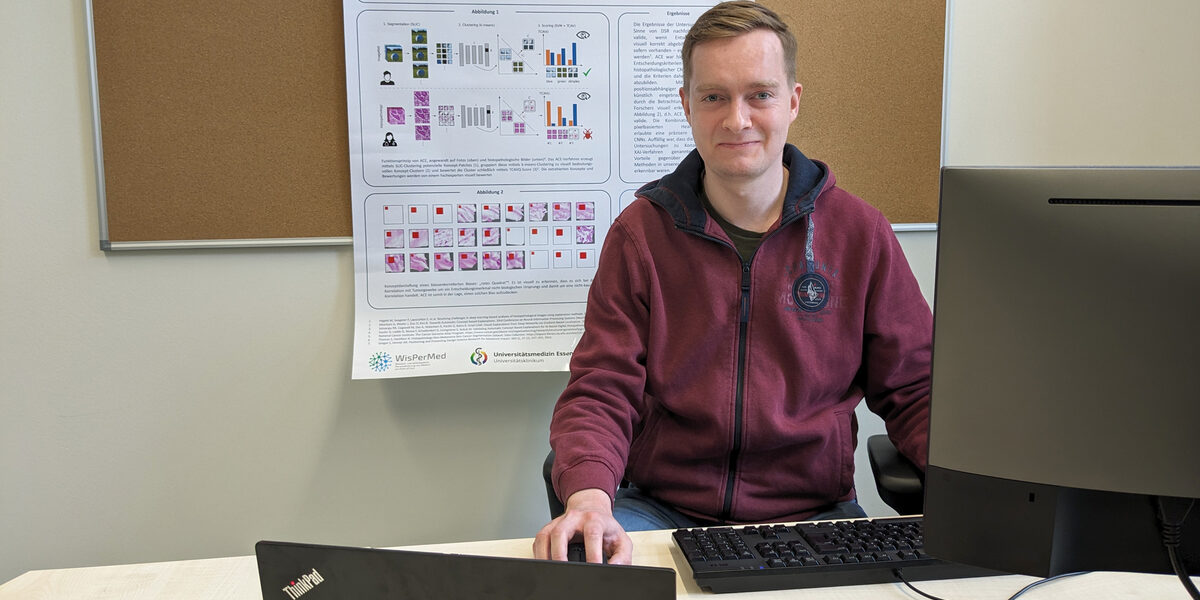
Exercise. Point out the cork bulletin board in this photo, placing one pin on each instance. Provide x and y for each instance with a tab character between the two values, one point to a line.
872	102
224	123
221	122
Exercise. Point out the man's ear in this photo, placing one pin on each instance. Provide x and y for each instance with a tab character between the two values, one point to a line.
795	102
687	107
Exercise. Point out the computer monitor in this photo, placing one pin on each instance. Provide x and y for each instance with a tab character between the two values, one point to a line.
1066	368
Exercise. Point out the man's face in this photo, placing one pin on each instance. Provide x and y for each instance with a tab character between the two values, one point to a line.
740	105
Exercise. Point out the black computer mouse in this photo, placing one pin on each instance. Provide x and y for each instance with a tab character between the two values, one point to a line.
576	552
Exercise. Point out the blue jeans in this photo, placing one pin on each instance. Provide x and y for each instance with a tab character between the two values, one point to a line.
638	512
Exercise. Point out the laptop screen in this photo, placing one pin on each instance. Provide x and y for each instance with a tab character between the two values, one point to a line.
290	571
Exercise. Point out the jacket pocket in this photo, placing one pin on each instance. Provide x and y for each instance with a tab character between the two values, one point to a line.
644	435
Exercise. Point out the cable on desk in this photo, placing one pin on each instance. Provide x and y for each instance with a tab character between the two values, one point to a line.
900	575
1046	580
1172	535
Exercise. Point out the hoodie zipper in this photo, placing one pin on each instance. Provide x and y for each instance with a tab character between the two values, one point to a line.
739	394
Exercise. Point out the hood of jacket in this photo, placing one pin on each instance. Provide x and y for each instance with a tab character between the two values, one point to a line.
679	195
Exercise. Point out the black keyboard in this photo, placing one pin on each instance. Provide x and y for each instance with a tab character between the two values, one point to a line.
813	554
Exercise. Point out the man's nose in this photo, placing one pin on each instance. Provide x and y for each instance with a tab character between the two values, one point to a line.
737	116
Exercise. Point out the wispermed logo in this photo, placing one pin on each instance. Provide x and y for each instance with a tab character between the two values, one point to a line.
303	584
380	362
478	357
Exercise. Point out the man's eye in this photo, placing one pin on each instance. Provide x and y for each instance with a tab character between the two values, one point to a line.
710	98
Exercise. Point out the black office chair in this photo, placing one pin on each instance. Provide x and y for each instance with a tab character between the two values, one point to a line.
899	482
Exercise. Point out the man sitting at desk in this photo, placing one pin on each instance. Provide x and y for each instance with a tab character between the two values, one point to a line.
743	305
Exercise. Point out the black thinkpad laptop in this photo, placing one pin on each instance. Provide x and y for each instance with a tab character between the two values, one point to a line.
290	571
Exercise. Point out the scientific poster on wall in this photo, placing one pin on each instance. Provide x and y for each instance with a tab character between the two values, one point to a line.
491	146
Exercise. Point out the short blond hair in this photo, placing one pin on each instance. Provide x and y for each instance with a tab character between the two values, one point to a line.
731	19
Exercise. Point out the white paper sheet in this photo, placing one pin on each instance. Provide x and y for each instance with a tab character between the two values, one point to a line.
491	146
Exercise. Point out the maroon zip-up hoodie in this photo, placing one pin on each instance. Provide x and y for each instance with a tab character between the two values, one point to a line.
727	389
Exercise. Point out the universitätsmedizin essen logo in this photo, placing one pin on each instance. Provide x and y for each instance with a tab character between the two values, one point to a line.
478	357
380	362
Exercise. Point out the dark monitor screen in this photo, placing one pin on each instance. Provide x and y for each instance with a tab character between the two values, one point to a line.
1066	367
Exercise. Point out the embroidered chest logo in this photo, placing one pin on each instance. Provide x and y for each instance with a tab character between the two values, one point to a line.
810	292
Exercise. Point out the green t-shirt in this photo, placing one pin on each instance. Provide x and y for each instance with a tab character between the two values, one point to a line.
746	242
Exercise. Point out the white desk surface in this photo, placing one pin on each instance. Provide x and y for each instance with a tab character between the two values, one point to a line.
237	579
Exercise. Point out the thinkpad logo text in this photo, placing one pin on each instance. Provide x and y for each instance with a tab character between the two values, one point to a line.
303	584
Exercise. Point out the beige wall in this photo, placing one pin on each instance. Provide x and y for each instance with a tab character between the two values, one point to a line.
1072	82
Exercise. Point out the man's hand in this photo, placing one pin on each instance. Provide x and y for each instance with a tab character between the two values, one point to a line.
588	515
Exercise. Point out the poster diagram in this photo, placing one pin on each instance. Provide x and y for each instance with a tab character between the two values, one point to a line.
491	147
521	99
